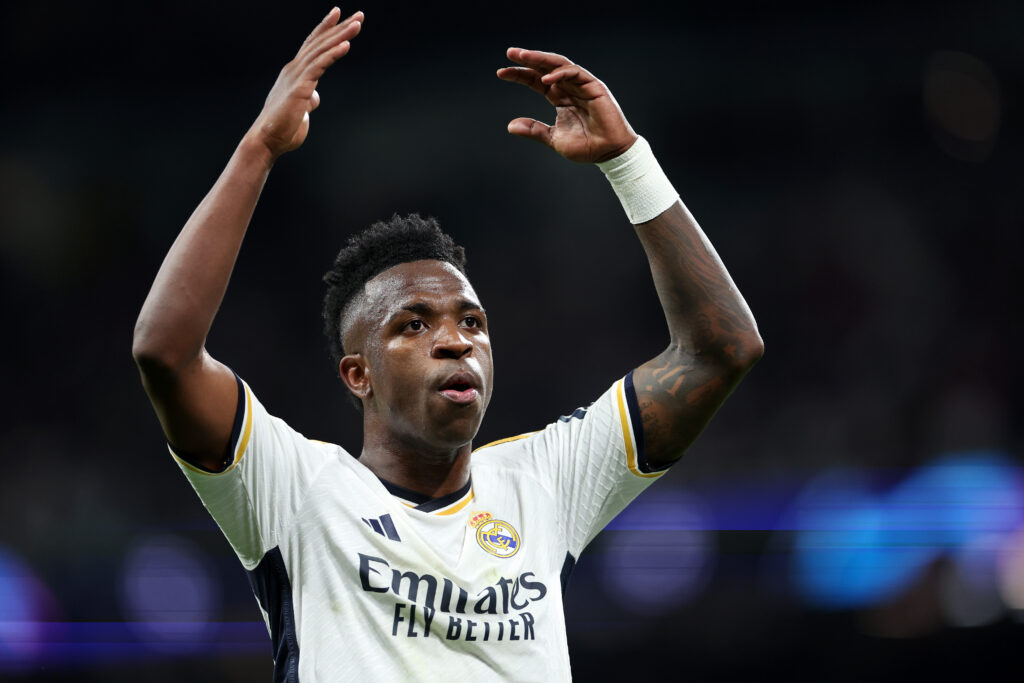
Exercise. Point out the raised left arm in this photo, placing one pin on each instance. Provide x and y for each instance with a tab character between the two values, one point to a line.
713	339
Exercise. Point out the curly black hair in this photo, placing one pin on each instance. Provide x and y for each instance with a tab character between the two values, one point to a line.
384	244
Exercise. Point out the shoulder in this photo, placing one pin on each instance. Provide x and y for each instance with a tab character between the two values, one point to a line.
330	453
513	452
505	443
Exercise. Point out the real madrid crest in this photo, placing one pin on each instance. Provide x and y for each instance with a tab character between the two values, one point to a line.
497	537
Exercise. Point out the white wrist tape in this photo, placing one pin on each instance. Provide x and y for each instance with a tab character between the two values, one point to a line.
639	183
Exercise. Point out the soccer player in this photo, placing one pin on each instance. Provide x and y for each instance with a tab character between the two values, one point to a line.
419	558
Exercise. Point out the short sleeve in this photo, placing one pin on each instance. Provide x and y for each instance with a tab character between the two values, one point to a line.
592	461
256	497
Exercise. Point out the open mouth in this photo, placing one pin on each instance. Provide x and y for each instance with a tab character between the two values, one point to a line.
459	389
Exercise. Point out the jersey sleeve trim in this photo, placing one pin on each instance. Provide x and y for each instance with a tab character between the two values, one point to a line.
240	433
633	429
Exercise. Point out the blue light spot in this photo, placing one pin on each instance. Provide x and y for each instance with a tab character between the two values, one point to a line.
24	602
169	592
657	553
854	547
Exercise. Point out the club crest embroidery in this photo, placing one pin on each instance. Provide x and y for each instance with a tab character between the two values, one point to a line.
497	537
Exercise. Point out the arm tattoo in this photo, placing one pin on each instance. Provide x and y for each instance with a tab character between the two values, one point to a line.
714	337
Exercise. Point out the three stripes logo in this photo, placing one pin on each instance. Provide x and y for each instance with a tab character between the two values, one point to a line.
383	526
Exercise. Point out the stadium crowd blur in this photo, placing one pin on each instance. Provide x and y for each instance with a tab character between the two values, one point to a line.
854	512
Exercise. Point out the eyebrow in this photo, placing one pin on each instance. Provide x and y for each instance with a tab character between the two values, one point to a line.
425	309
467	305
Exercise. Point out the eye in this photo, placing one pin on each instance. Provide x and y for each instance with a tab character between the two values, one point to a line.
415	325
472	321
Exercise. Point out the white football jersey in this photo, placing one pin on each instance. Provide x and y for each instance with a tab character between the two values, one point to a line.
361	580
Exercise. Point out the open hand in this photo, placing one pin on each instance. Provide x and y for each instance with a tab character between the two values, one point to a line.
284	122
589	125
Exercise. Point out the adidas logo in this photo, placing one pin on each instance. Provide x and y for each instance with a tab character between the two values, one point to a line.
383	526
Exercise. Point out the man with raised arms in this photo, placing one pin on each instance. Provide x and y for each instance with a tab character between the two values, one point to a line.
419	558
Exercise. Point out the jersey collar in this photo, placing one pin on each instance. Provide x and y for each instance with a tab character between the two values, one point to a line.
424	503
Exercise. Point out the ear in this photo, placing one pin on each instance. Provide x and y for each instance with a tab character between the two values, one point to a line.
355	373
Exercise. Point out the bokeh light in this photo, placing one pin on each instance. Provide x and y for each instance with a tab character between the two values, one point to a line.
25	602
1011	570
963	103
658	552
857	546
170	592
842	555
969	593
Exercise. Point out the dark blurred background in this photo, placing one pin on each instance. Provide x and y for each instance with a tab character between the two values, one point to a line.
856	510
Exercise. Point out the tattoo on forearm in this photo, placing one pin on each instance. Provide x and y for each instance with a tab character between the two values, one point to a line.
679	391
696	292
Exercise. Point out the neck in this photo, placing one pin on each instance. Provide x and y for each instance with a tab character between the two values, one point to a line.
434	472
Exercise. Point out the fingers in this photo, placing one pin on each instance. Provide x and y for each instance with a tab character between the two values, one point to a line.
314	101
543	62
531	129
542	70
524	76
525	127
570	72
574	80
330	38
326	23
330	20
316	69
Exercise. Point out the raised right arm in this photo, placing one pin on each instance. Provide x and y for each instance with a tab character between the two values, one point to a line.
194	395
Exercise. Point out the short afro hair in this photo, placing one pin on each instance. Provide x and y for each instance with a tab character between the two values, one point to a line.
384	244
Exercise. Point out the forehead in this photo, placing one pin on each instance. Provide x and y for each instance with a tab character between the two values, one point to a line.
432	280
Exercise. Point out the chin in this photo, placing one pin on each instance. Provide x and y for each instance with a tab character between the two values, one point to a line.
457	432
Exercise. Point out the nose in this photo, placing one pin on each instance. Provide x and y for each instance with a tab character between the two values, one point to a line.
450	342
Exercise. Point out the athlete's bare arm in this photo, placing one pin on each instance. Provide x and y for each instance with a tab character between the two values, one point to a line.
713	339
194	395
